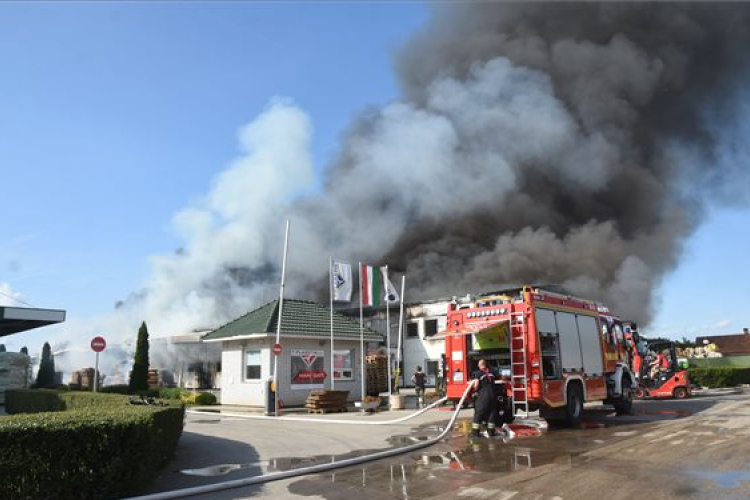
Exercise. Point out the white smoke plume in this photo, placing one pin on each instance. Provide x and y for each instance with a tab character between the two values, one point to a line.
566	143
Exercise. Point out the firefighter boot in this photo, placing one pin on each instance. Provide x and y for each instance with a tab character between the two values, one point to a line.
474	431
491	431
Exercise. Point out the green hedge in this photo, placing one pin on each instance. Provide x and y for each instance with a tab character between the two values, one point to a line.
720	376
33	401
44	400
101	450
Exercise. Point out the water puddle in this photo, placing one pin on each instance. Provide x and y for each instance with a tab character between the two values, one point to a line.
729	479
669	413
220	470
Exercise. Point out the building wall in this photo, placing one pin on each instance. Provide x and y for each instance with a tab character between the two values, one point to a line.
235	389
14	372
425	348
415	350
238	391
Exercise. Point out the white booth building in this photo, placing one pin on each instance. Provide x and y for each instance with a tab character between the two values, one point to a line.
305	361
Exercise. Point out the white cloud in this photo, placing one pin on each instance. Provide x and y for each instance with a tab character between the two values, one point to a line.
8	297
719	325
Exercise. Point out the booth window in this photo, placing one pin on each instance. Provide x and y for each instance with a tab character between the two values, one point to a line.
343	364
252	365
430	327
412	329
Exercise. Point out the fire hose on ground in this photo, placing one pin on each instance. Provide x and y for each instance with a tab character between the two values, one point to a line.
323	421
312	469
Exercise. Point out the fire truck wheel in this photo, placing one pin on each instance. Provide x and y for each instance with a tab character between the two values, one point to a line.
680	393
624	405
574	405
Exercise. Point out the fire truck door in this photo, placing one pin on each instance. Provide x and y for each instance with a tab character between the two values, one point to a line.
591	347
570	344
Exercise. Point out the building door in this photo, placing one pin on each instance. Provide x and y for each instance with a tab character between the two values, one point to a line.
431	370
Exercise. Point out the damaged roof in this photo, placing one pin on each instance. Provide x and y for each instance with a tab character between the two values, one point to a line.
301	318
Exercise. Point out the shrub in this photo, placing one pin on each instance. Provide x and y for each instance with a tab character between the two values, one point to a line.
199	398
205	398
88	453
148	393
720	376
171	392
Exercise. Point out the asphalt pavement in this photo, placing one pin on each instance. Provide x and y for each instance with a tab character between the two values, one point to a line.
667	449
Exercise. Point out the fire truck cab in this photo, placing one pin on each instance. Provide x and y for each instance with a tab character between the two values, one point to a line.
553	352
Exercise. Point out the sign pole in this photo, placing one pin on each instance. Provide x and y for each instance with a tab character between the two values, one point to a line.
96	373
388	333
330	289
400	335
98	344
361	337
278	323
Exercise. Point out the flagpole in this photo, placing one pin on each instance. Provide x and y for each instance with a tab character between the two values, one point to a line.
361	337
388	331
278	322
330	289
400	329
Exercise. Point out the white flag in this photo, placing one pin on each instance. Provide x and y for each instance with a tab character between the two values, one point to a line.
391	295
341	281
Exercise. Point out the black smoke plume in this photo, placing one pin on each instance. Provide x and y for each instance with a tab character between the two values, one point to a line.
569	143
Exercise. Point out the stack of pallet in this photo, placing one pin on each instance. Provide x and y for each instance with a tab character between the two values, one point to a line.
377	374
83	379
153	379
326	401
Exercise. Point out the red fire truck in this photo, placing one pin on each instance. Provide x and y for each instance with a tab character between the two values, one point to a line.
554	352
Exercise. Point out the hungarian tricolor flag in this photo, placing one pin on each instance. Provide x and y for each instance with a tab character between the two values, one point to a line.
371	286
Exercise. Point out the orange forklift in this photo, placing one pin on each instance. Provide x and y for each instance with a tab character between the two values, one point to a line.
654	363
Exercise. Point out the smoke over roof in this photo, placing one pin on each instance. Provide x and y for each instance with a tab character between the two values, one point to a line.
564	143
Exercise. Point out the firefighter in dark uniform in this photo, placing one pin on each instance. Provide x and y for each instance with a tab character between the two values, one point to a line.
486	405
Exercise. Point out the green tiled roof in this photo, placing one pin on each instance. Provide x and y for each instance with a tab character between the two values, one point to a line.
301	318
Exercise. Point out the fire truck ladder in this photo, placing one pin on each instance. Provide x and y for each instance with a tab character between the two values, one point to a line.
519	376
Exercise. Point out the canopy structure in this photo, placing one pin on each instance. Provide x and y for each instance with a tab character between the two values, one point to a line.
20	319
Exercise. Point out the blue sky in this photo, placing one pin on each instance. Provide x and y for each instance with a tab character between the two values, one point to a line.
115	116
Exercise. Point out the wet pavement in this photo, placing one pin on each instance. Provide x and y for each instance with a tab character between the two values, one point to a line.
697	448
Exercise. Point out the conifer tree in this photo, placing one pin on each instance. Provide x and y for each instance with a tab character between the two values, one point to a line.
139	373
45	378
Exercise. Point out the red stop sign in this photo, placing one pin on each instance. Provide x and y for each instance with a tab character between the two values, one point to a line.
276	349
98	344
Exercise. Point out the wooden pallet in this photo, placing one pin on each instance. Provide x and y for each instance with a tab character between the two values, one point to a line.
338	409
